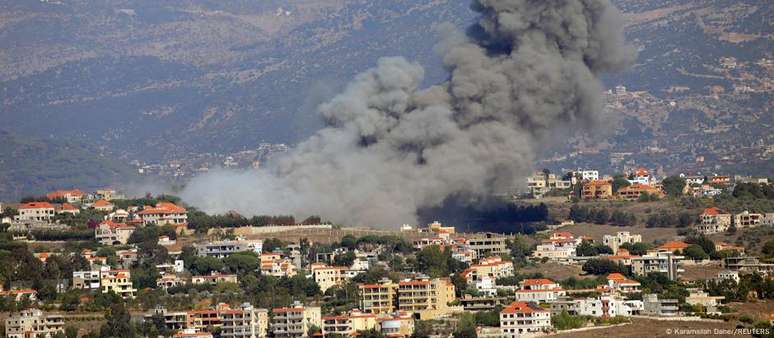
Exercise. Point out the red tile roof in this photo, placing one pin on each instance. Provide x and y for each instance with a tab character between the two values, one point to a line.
538	281
522	307
36	205
673	245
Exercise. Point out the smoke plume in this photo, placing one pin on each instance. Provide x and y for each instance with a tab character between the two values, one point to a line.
526	69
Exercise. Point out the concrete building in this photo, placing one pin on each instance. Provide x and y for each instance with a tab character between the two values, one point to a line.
328	276
173	320
294	321
664	262
102	205
214	278
33	323
713	221
491	267
164	213
117	281
597	189
111	233
699	297
397	325
587	175
426	298
602	306
560	246
86	279
488	244
245	322
635	190
221	249
378	298
539	290
619	283
621	237
654	306
728	275
35	211
349	324
521	318
748	264
71	196
746	219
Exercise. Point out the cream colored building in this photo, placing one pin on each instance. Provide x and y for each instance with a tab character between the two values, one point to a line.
164	213
621	237
746	219
245	322
539	290
33	323
349	324
35	211
117	281
521	319
294	321
426	298
111	233
713	221
399	325
328	276
491	267
378	298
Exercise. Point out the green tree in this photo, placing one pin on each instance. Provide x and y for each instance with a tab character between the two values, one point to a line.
695	252
466	327
118	323
673	186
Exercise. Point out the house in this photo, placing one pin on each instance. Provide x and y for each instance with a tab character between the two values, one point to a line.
602	306
713	221
70	196
20	294
539	290
274	264
173	320
641	176
164	213
652	305
664	262
214	278
587	175
492	267
118	281
169	281
699	297
748	264
244	322
621	237
35	211
746	219
102	205
294	321
540	183
349	324
721	246
89	279
426	298
635	190
111	233
328	276
672	246
597	189
34	323
728	275
619	283
521	318
378	298
560	246
221	249
67	208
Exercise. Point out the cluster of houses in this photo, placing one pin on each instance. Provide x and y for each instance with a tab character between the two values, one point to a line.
714	220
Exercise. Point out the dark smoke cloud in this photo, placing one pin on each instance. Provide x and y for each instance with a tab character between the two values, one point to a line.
528	68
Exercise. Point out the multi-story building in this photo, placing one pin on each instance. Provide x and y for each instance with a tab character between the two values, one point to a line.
378	298
746	219
663	262
652	305
491	267
539	290
245	322
349	324
540	183
713	221
597	189
560	246
89	279
35	211
748	264
635	190
221	249
619	283
294	321
521	318
164	213
112	233
399	325
33	323
328	276
117	281
587	175
173	320
102	205
204	319
602	306
621	237
488	244
273	264
169	280
426	298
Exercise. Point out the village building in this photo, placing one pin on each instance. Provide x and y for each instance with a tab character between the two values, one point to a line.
111	233
620	238
664	262
244	322
713	221
69	196
221	249
102	205
521	318
378	298
35	211
539	290
597	189
34	323
294	321
426	298
560	246
117	281
348	325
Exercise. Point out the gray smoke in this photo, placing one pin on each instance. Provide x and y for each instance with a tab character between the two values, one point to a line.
529	67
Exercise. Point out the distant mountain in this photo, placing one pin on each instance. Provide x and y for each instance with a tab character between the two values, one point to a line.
152	80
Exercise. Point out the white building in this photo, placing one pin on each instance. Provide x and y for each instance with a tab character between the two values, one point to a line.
746	219
33	323
111	233
539	290
521	318
588	175
560	246
245	322
221	249
86	279
713	221
35	211
664	262
607	306
621	237
294	321
728	275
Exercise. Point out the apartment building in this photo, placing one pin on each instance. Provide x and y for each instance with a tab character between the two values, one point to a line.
245	322
294	321
112	233
654	306
621	237
173	320
490	267
348	325
665	262
221	249
35	211
635	190
521	318
560	246
33	323
539	290
426	298
587	175
86	279
117	281
602	306
378	298
204	319
487	244
597	189
273	264
713	221
328	276
746	219
539	184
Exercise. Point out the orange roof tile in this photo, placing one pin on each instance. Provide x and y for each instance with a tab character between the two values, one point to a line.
36	205
673	245
537	281
522	307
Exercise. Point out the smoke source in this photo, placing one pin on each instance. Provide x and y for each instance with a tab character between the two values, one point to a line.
527	68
